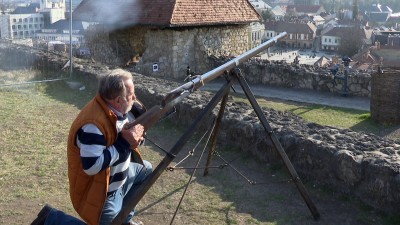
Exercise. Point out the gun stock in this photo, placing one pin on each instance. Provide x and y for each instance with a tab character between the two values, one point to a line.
149	118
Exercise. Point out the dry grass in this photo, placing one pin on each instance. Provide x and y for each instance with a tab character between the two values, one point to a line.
34	124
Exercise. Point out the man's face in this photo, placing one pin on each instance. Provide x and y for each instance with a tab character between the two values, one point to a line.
126	102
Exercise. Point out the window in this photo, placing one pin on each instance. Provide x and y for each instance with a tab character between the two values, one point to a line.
14	20
25	20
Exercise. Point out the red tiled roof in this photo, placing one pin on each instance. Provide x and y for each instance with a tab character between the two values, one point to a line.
167	13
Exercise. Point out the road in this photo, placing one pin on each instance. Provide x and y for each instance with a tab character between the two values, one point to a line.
300	95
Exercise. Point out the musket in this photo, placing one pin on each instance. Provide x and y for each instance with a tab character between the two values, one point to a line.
151	116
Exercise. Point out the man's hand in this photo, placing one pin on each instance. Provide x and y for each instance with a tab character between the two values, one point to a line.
134	135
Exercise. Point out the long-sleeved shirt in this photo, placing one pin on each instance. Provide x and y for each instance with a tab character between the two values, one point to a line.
95	156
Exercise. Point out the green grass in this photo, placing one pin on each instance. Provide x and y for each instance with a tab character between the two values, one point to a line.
34	124
356	120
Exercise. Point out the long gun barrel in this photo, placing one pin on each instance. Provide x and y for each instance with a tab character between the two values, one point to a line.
150	117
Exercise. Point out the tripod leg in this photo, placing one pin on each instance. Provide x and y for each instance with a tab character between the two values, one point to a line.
215	132
278	146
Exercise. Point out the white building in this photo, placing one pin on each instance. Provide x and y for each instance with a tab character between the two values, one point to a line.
59	31
20	26
53	10
25	21
256	32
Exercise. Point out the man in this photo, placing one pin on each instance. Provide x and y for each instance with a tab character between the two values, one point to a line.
103	160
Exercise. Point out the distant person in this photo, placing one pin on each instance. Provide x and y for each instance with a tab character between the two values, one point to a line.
103	160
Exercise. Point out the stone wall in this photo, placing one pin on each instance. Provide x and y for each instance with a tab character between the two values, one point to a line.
172	50
258	71
385	99
362	165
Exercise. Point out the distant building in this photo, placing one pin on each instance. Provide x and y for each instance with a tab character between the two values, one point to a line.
278	13
331	38
385	37
281	2
59	31
378	13
306	2
394	41
309	10
300	35
25	21
260	5
256	30
52	10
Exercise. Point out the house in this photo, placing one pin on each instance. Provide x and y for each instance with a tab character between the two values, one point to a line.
323	62
318	20
378	13
169	36
331	37
281	2
260	5
278	13
382	36
306	2
394	41
299	35
330	40
310	10
395	19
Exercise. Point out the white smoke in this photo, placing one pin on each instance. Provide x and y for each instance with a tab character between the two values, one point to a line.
116	13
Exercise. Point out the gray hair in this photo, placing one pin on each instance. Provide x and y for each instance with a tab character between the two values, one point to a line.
112	84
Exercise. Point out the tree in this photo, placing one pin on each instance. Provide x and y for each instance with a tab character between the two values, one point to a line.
267	15
350	42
